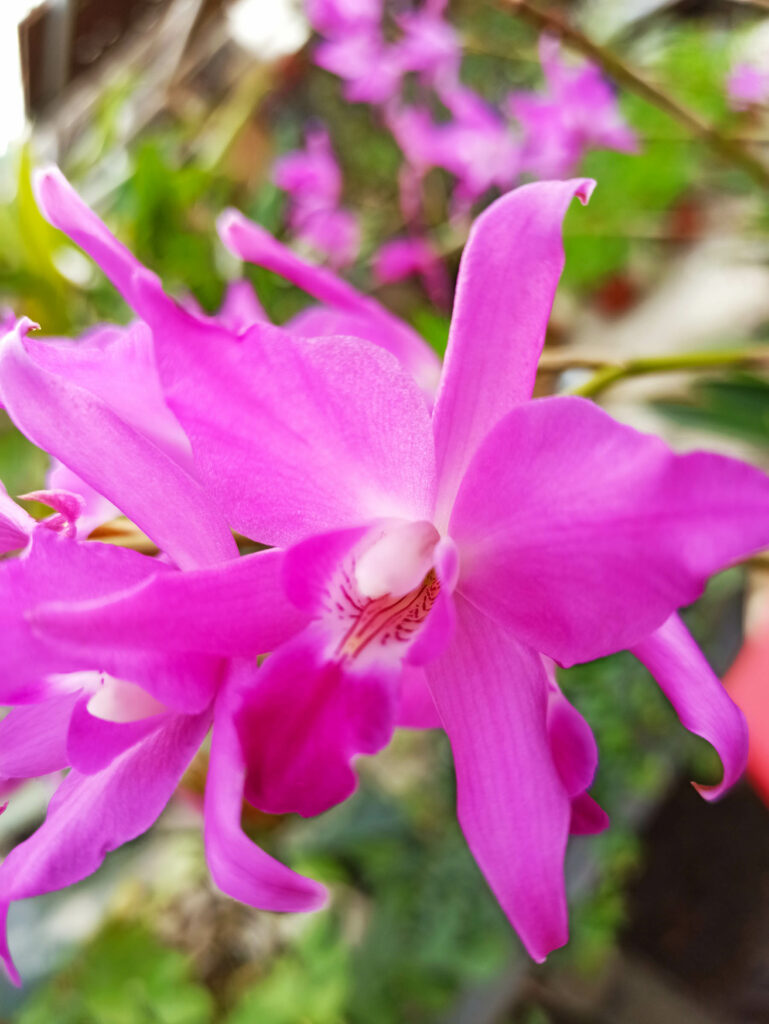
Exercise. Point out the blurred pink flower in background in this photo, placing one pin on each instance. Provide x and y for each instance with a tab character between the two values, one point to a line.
747	86
406	257
577	111
313	180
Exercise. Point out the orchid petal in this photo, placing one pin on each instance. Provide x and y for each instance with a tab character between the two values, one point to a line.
583	536
236	609
573	745
61	206
309	565
241	308
68	508
587	817
509	272
252	243
122	464
96	509
296	437
298	752
238	866
417	708
55	568
90	815
33	740
16	525
52	567
700	700
117	366
491	693
94	743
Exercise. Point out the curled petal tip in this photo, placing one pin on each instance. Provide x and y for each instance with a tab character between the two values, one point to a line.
22	327
711	793
585	190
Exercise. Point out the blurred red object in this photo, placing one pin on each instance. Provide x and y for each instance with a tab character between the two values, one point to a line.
748	683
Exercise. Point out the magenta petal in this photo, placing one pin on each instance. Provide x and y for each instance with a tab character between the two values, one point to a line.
96	509
53	567
491	693
33	740
63	207
583	535
700	700
117	366
575	753
509	272
90	815
241	308
309	566
94	743
68	508
417	708
238	866
298	752
16	525
252	243
296	437
587	817
126	467
436	633
58	569
5	953
236	609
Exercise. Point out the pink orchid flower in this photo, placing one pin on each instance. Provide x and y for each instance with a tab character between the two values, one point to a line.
477	147
126	723
453	550
370	68
577	111
430	45
122	437
339	17
747	86
311	175
314	181
406	257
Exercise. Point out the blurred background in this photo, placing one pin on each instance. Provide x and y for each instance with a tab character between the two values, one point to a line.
162	113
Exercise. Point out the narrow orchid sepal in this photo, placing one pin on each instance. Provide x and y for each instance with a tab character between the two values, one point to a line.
499	321
238	866
698	697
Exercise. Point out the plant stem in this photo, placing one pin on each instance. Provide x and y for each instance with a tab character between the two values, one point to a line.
762	5
610	373
614	66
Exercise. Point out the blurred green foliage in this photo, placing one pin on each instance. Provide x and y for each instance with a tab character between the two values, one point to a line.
123	976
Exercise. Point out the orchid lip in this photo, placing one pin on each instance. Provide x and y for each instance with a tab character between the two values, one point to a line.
380	595
387	619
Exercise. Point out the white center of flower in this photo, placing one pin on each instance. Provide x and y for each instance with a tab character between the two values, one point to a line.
113	700
398	561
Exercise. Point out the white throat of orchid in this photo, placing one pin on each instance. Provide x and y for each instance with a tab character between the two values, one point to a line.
382	594
113	700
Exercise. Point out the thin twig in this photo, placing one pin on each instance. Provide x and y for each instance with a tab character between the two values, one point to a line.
632	79
611	373
762	5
